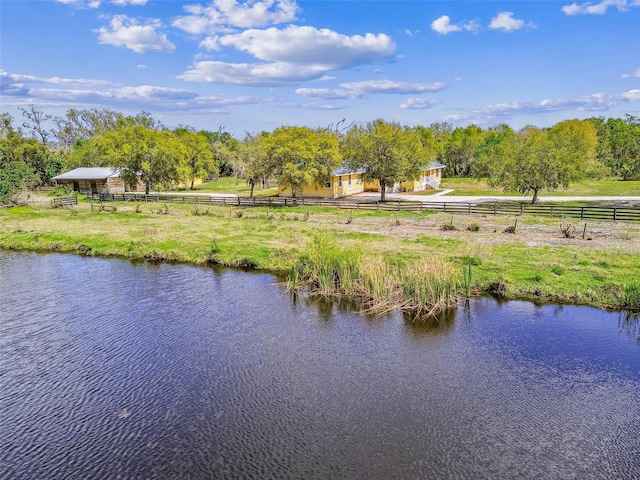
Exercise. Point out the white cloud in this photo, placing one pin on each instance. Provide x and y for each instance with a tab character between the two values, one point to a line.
141	97
81	3
633	74
328	94
309	45
505	21
226	15
589	8
97	3
351	90
210	43
290	55
123	3
127	32
389	86
149	91
16	84
414	103
443	26
252	74
597	102
631	96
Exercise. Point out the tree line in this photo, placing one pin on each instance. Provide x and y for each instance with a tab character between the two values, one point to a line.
527	160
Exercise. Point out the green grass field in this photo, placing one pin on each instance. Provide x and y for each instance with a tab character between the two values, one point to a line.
238	187
536	264
588	188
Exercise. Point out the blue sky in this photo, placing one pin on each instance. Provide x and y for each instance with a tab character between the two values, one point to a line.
256	65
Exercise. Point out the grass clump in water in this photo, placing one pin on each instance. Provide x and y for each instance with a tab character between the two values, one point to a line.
630	298
423	288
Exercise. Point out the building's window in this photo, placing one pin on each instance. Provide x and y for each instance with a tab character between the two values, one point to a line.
340	181
349	179
327	185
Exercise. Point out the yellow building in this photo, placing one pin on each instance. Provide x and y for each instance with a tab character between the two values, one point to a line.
343	182
430	177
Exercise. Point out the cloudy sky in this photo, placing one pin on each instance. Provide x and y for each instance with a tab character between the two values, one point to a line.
254	65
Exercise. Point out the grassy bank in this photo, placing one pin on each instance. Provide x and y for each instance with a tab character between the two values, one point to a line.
536	262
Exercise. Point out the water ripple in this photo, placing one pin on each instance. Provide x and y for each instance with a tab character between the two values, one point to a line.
112	370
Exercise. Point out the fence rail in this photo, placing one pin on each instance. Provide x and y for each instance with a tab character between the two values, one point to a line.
64	201
595	212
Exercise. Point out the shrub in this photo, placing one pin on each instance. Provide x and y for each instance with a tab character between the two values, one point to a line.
448	226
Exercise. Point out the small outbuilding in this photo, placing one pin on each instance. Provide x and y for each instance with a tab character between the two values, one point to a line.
96	180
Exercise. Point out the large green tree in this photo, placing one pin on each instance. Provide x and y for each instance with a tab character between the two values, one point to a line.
224	146
153	156
300	156
16	172
386	152
250	162
461	150
619	145
200	161
535	159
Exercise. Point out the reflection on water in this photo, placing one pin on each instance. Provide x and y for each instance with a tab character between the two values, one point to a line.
629	323
114	370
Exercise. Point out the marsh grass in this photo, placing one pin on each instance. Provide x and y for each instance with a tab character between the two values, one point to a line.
422	289
630	297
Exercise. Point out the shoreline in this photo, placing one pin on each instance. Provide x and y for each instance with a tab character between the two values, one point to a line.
536	263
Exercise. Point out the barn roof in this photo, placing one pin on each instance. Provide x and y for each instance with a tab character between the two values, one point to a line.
93	173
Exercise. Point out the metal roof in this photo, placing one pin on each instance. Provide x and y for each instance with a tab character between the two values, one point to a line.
93	173
343	170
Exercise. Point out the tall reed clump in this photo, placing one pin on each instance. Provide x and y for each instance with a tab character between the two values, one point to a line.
326	268
430	286
631	296
423	289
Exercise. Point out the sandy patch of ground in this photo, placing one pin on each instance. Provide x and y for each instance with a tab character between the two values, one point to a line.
530	231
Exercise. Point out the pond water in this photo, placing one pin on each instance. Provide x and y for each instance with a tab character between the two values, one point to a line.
115	370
